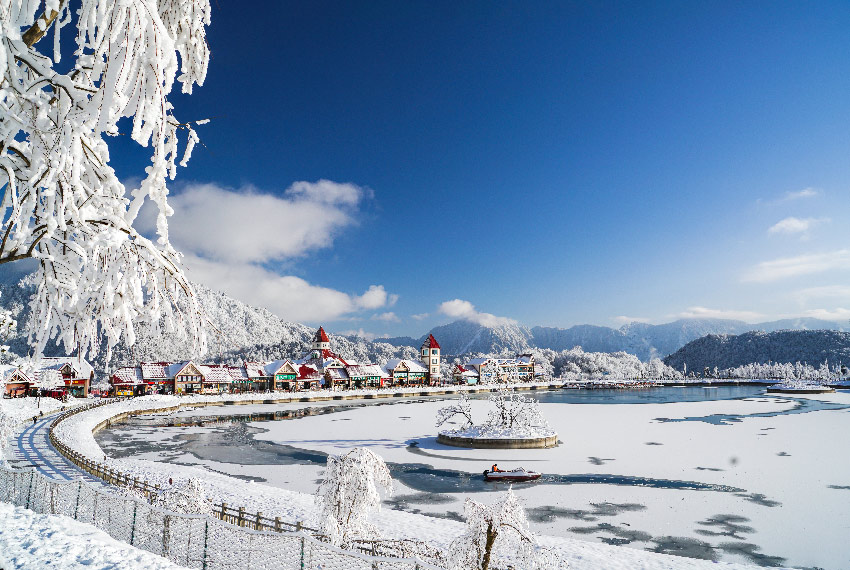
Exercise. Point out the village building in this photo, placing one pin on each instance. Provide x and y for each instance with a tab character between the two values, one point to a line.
405	372
489	370
430	355
54	376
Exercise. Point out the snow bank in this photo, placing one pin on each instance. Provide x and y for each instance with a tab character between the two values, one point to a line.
29	540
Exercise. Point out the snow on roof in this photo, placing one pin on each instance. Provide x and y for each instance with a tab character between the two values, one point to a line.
128	375
477	361
430	342
80	366
255	370
154	369
363	370
217	375
274	366
237	372
411	365
337	373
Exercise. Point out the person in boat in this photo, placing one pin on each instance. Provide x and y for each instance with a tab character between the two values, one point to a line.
495	468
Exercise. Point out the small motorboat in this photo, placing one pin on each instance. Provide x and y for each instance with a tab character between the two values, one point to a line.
515	475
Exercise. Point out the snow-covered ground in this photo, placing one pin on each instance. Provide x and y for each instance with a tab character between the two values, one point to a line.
757	467
30	541
766	499
21	410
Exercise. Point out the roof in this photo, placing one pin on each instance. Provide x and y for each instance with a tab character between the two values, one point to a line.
337	373
321	336
81	366
306	372
411	365
364	370
128	375
217	375
430	342
255	370
154	369
274	366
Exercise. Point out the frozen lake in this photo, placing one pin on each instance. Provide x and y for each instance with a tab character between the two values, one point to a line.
721	473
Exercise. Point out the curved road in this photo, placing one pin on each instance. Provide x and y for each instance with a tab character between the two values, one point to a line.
31	447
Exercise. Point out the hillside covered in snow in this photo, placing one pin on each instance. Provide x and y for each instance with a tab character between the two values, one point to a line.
787	346
643	340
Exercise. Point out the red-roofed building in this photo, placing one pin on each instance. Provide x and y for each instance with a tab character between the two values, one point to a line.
430	356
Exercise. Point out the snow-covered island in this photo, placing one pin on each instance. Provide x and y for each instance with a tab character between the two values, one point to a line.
516	422
792	386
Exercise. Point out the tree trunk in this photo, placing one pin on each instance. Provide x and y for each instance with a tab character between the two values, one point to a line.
488	545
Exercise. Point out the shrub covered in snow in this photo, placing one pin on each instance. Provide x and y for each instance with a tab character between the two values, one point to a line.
514	416
499	536
349	492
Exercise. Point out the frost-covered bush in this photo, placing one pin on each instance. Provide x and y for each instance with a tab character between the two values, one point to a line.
498	536
350	491
188	497
513	416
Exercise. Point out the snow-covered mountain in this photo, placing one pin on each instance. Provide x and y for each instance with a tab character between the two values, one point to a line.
236	330
784	346
241	331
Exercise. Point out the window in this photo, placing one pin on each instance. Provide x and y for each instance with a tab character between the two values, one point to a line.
424	352
433	361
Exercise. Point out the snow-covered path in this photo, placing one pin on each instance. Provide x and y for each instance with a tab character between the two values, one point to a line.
30	447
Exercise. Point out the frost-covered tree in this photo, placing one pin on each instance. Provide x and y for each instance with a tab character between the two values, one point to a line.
499	536
189	497
350	491
7	329
461	408
516	412
62	203
8	326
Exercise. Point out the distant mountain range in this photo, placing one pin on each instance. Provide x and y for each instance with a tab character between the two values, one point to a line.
786	346
643	340
241	331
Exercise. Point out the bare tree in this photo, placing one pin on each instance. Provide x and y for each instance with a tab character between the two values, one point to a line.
460	408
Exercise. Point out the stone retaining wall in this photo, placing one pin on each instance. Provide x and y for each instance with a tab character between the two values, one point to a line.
481	443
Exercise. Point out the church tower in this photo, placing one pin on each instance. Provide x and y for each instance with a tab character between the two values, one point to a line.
430	355
321	342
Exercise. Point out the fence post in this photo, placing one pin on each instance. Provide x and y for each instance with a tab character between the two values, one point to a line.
277	524
206	534
29	488
241	520
302	552
133	528
77	505
259	525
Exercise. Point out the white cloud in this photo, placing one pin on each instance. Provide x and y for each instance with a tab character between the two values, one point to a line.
792	225
624	320
389	317
823	292
804	193
363	334
247	226
801	265
706	313
420	316
289	297
375	298
460	309
837	314
231	236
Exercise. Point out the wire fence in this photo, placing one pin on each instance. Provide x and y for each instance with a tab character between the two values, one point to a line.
193	541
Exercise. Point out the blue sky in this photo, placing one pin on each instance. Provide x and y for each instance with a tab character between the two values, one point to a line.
390	166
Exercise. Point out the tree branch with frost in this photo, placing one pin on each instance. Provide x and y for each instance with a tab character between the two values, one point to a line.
350	491
62	203
499	536
461	408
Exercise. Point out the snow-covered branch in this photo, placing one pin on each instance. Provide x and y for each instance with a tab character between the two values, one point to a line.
62	204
